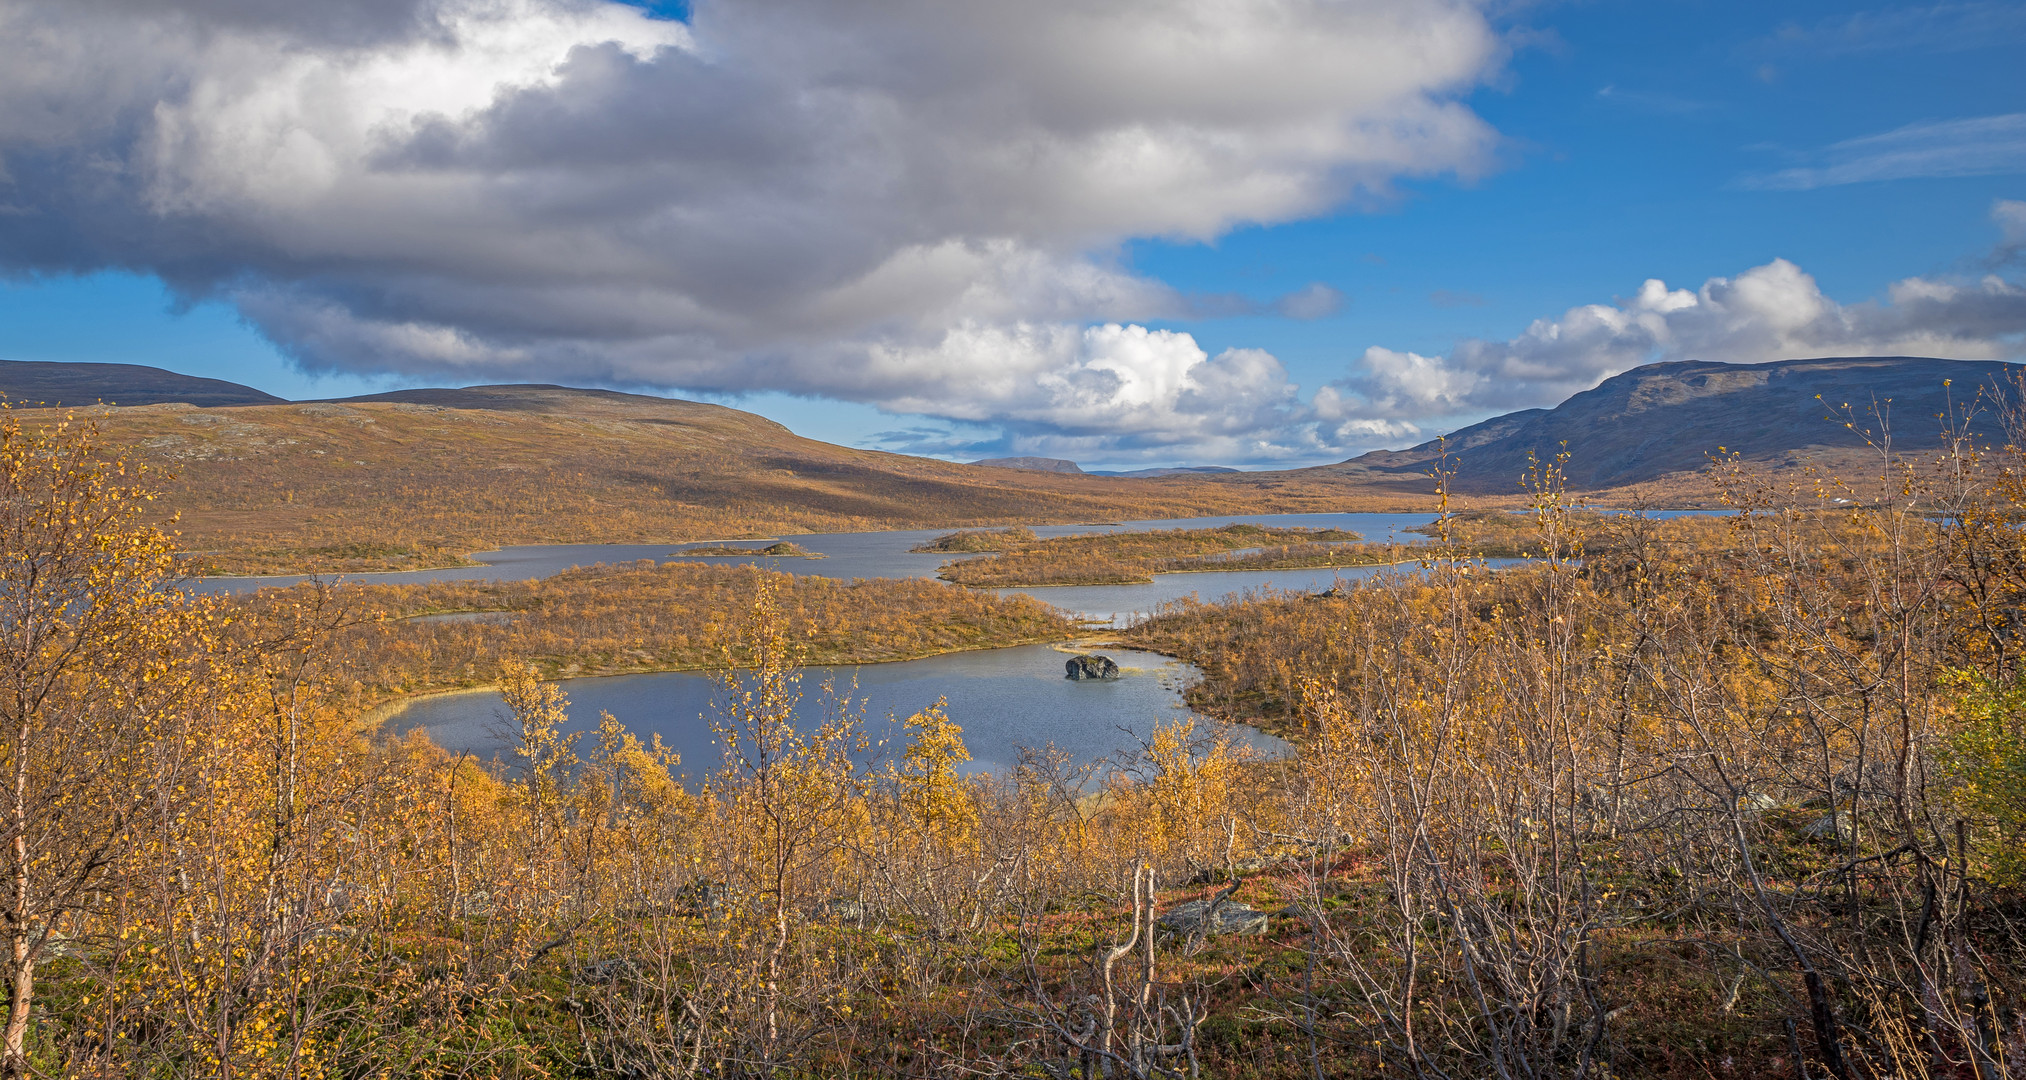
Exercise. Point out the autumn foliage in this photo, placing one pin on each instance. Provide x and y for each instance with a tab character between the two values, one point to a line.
674	616
1739	796
1125	557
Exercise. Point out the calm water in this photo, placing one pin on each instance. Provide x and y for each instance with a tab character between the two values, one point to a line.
1122	605
886	555
1004	699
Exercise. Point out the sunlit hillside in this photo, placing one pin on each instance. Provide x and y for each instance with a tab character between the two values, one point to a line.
422	477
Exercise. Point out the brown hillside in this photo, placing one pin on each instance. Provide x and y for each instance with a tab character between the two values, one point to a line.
421	477
44	382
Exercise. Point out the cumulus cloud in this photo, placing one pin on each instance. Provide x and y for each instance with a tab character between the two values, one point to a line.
910	203
1770	312
1124	388
904	202
1123	392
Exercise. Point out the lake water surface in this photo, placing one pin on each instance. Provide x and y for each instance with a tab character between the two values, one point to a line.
886	555
1004	699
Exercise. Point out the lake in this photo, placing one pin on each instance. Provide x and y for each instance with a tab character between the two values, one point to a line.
1004	699
886	555
1119	606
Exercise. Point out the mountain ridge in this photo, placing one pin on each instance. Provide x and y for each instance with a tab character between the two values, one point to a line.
1782	413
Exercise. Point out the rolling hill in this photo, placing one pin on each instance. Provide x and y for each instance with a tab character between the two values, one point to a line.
33	383
421	477
1663	420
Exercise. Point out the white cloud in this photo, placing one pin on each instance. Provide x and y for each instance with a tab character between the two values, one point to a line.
2010	216
1316	301
905	202
1770	312
910	203
1979	146
1927	27
1123	392
1137	387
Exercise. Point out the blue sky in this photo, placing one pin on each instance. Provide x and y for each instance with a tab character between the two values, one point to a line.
1635	134
1864	145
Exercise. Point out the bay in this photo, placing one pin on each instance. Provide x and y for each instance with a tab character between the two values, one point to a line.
1004	699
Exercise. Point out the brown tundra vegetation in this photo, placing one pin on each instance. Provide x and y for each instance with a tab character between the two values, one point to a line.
427	476
1125	557
1733	798
398	640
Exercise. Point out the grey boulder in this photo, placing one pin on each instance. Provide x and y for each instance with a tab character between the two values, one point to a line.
1197	917
1834	826
1091	666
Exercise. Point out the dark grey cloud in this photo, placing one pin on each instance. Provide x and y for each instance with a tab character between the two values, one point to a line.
905	202
911	203
351	23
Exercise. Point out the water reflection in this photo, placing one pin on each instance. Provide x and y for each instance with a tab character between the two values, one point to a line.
1004	699
849	556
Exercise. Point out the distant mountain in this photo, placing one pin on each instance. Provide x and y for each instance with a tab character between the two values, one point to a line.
1065	466
550	398
1179	470
45	383
1032	464
1668	418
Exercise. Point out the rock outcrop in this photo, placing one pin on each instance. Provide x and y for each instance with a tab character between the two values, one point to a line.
1091	666
1206	918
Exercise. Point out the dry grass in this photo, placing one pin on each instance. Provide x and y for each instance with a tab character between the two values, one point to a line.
396	485
1127	558
615	620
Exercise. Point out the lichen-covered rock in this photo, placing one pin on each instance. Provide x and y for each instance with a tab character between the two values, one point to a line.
605	971
1230	917
1834	827
844	909
701	898
1091	666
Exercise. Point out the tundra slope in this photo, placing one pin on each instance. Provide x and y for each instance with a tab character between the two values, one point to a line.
420	477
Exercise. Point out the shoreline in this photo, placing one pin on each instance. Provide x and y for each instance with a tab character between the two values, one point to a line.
377	714
470	557
1208	570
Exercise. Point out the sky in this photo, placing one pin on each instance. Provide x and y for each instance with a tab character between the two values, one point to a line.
1254	233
